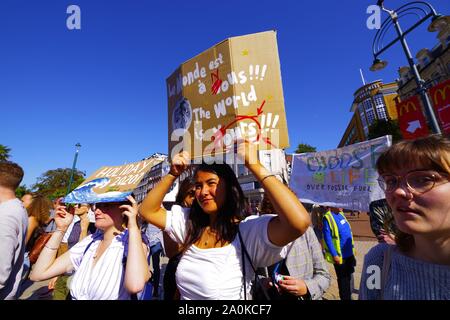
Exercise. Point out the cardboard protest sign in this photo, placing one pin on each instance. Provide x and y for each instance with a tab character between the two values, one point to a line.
232	90
344	178
111	184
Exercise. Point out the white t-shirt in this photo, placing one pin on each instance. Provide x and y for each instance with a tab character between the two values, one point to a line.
106	280
216	273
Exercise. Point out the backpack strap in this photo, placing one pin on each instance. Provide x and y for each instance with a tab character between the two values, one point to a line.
385	271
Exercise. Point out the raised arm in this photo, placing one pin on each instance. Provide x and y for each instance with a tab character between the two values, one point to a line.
151	209
46	267
137	271
293	219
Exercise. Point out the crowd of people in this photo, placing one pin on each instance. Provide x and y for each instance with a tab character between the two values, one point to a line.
217	251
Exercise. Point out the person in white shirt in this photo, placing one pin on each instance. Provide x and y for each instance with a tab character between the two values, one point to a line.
109	265
13	230
212	263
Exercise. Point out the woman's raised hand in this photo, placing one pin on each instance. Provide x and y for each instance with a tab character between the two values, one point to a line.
131	211
63	218
247	151
180	162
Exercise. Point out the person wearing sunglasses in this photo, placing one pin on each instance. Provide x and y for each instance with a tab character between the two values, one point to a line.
110	264
415	176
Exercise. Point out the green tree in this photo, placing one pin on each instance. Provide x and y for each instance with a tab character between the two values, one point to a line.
21	190
382	127
304	147
53	183
4	152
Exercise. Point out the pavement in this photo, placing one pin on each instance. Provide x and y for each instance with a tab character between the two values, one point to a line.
364	241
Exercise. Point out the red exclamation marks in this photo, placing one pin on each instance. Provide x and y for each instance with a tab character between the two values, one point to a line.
215	80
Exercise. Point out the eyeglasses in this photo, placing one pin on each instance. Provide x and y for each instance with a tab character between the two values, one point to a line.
419	181
104	205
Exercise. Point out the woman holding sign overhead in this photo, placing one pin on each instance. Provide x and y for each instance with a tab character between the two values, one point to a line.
221	250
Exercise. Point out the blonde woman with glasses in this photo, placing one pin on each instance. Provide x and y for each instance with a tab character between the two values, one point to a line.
415	176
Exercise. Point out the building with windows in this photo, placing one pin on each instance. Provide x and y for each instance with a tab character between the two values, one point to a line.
159	167
373	101
433	66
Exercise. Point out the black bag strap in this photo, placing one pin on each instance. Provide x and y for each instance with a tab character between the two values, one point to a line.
245	252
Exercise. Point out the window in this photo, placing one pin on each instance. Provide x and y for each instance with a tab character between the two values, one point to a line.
380	107
381	112
425	60
368	108
435	76
362	116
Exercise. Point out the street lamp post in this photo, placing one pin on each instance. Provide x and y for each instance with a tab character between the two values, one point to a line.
78	146
416	7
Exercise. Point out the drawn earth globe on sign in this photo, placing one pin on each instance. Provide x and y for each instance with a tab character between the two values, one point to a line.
182	115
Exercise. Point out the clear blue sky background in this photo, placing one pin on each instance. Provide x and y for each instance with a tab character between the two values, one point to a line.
104	85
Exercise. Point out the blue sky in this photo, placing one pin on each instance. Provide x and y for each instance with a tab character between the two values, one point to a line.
104	85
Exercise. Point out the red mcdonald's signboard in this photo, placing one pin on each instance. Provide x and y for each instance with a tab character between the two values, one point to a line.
440	95
411	119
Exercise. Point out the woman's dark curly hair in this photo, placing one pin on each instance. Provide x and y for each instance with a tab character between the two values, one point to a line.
228	217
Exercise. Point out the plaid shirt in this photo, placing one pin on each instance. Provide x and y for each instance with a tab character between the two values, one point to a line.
305	261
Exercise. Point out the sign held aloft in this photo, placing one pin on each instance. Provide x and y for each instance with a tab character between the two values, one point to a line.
232	90
111	183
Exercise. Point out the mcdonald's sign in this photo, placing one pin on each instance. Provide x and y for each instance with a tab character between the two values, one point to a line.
440	95
411	119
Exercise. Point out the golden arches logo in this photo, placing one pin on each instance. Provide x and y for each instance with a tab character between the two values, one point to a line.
442	92
406	107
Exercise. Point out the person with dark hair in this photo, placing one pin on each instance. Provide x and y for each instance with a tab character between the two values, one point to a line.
415	176
185	197
220	248
13	229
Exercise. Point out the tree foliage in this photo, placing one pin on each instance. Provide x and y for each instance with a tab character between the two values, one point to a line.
381	128
304	147
4	152
21	190
53	183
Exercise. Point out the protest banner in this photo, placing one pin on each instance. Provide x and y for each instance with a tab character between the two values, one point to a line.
232	90
111	183
344	178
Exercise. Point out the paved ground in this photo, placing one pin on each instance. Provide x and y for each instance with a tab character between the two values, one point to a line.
364	240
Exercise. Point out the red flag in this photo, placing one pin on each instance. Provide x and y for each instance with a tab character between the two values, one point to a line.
440	95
